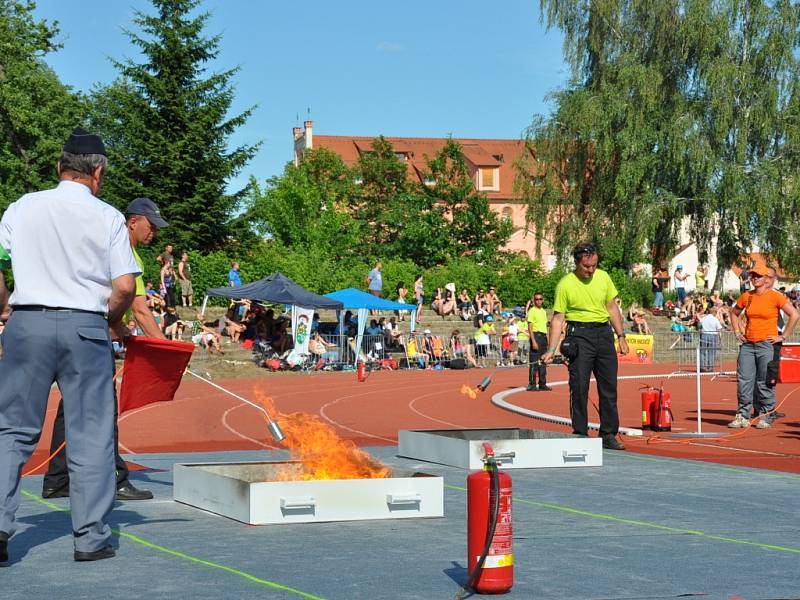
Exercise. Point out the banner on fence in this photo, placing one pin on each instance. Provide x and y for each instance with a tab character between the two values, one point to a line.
301	328
640	349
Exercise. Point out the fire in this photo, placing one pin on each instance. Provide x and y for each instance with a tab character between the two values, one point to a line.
468	391
320	450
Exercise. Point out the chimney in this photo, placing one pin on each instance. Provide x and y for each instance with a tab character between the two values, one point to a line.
308	134
296	131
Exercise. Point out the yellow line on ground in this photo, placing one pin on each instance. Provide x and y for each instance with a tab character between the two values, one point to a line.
187	557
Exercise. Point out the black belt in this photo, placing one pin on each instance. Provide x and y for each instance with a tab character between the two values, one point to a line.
40	308
587	325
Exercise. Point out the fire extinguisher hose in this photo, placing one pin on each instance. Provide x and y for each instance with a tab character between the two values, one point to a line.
495	513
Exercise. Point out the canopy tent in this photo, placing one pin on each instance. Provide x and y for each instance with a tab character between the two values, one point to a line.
352	298
276	288
280	289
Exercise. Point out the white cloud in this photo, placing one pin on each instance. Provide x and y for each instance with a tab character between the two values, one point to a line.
389	47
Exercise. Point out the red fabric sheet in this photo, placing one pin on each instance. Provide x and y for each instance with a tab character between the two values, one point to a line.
152	371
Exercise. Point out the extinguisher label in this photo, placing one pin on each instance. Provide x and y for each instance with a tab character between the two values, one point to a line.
495	562
500	551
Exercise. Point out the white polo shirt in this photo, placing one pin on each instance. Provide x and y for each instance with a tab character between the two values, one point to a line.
66	246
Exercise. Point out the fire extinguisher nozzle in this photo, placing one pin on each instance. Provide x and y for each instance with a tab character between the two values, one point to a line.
485	383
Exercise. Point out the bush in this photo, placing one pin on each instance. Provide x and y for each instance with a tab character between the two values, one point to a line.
515	276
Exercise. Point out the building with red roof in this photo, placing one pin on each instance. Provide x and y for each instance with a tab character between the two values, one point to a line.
490	162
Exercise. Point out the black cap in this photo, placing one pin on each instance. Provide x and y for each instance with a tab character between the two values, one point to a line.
146	208
83	142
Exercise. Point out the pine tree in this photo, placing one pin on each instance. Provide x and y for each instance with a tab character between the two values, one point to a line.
167	127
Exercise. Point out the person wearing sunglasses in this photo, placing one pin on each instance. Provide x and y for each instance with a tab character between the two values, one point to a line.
758	337
585	299
537	332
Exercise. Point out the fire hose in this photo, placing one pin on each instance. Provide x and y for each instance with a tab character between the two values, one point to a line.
272	425
491	464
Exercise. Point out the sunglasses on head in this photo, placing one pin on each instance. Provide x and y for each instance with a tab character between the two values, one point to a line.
584	250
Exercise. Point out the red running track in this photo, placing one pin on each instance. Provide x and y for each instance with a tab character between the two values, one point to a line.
203	419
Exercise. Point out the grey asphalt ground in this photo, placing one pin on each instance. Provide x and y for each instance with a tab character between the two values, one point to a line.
638	527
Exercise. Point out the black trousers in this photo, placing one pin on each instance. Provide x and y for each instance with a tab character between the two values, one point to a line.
596	355
539	369
57	476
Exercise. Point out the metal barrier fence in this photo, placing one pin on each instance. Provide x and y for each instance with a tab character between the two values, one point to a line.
408	351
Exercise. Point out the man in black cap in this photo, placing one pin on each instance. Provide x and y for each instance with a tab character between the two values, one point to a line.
143	217
74	278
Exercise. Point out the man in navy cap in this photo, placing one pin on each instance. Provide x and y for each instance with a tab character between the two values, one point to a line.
143	218
74	278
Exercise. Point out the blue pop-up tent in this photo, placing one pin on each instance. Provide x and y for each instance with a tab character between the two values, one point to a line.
354	299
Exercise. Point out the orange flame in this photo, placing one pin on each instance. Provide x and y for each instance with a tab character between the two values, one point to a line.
320	450
468	391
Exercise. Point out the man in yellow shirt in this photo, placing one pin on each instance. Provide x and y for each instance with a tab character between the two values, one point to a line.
585	298
537	330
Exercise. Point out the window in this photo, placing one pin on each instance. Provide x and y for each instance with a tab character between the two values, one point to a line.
487	179
508	213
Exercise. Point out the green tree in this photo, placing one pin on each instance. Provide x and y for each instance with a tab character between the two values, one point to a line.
475	229
746	103
37	112
308	207
677	111
383	183
168	127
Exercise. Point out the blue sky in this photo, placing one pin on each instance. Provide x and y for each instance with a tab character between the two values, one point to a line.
422	69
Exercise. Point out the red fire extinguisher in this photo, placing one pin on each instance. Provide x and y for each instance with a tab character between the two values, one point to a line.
490	557
649	398
662	413
361	371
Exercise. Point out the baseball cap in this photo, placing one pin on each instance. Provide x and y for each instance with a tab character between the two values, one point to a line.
760	270
679	266
488	318
146	208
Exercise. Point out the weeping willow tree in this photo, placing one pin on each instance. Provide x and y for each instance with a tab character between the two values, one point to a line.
676	116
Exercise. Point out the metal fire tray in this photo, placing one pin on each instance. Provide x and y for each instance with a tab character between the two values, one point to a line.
533	448
248	492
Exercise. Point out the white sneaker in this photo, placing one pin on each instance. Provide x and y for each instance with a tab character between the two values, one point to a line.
740	423
763	424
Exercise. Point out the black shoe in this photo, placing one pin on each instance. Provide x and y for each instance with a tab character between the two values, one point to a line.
3	546
545	388
778	415
126	491
532	388
612	443
105	552
62	492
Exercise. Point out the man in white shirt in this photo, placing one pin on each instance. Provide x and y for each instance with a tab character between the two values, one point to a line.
680	284
710	328
73	279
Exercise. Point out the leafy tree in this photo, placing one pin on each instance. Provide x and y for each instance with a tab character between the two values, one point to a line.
168	126
37	112
307	207
383	180
746	100
475	228
678	111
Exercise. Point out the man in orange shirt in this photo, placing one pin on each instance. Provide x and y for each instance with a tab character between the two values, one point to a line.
761	305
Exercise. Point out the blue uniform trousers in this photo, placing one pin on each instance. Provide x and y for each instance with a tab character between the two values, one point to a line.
72	349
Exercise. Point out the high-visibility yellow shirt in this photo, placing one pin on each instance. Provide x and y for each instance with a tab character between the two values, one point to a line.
585	301
537	317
